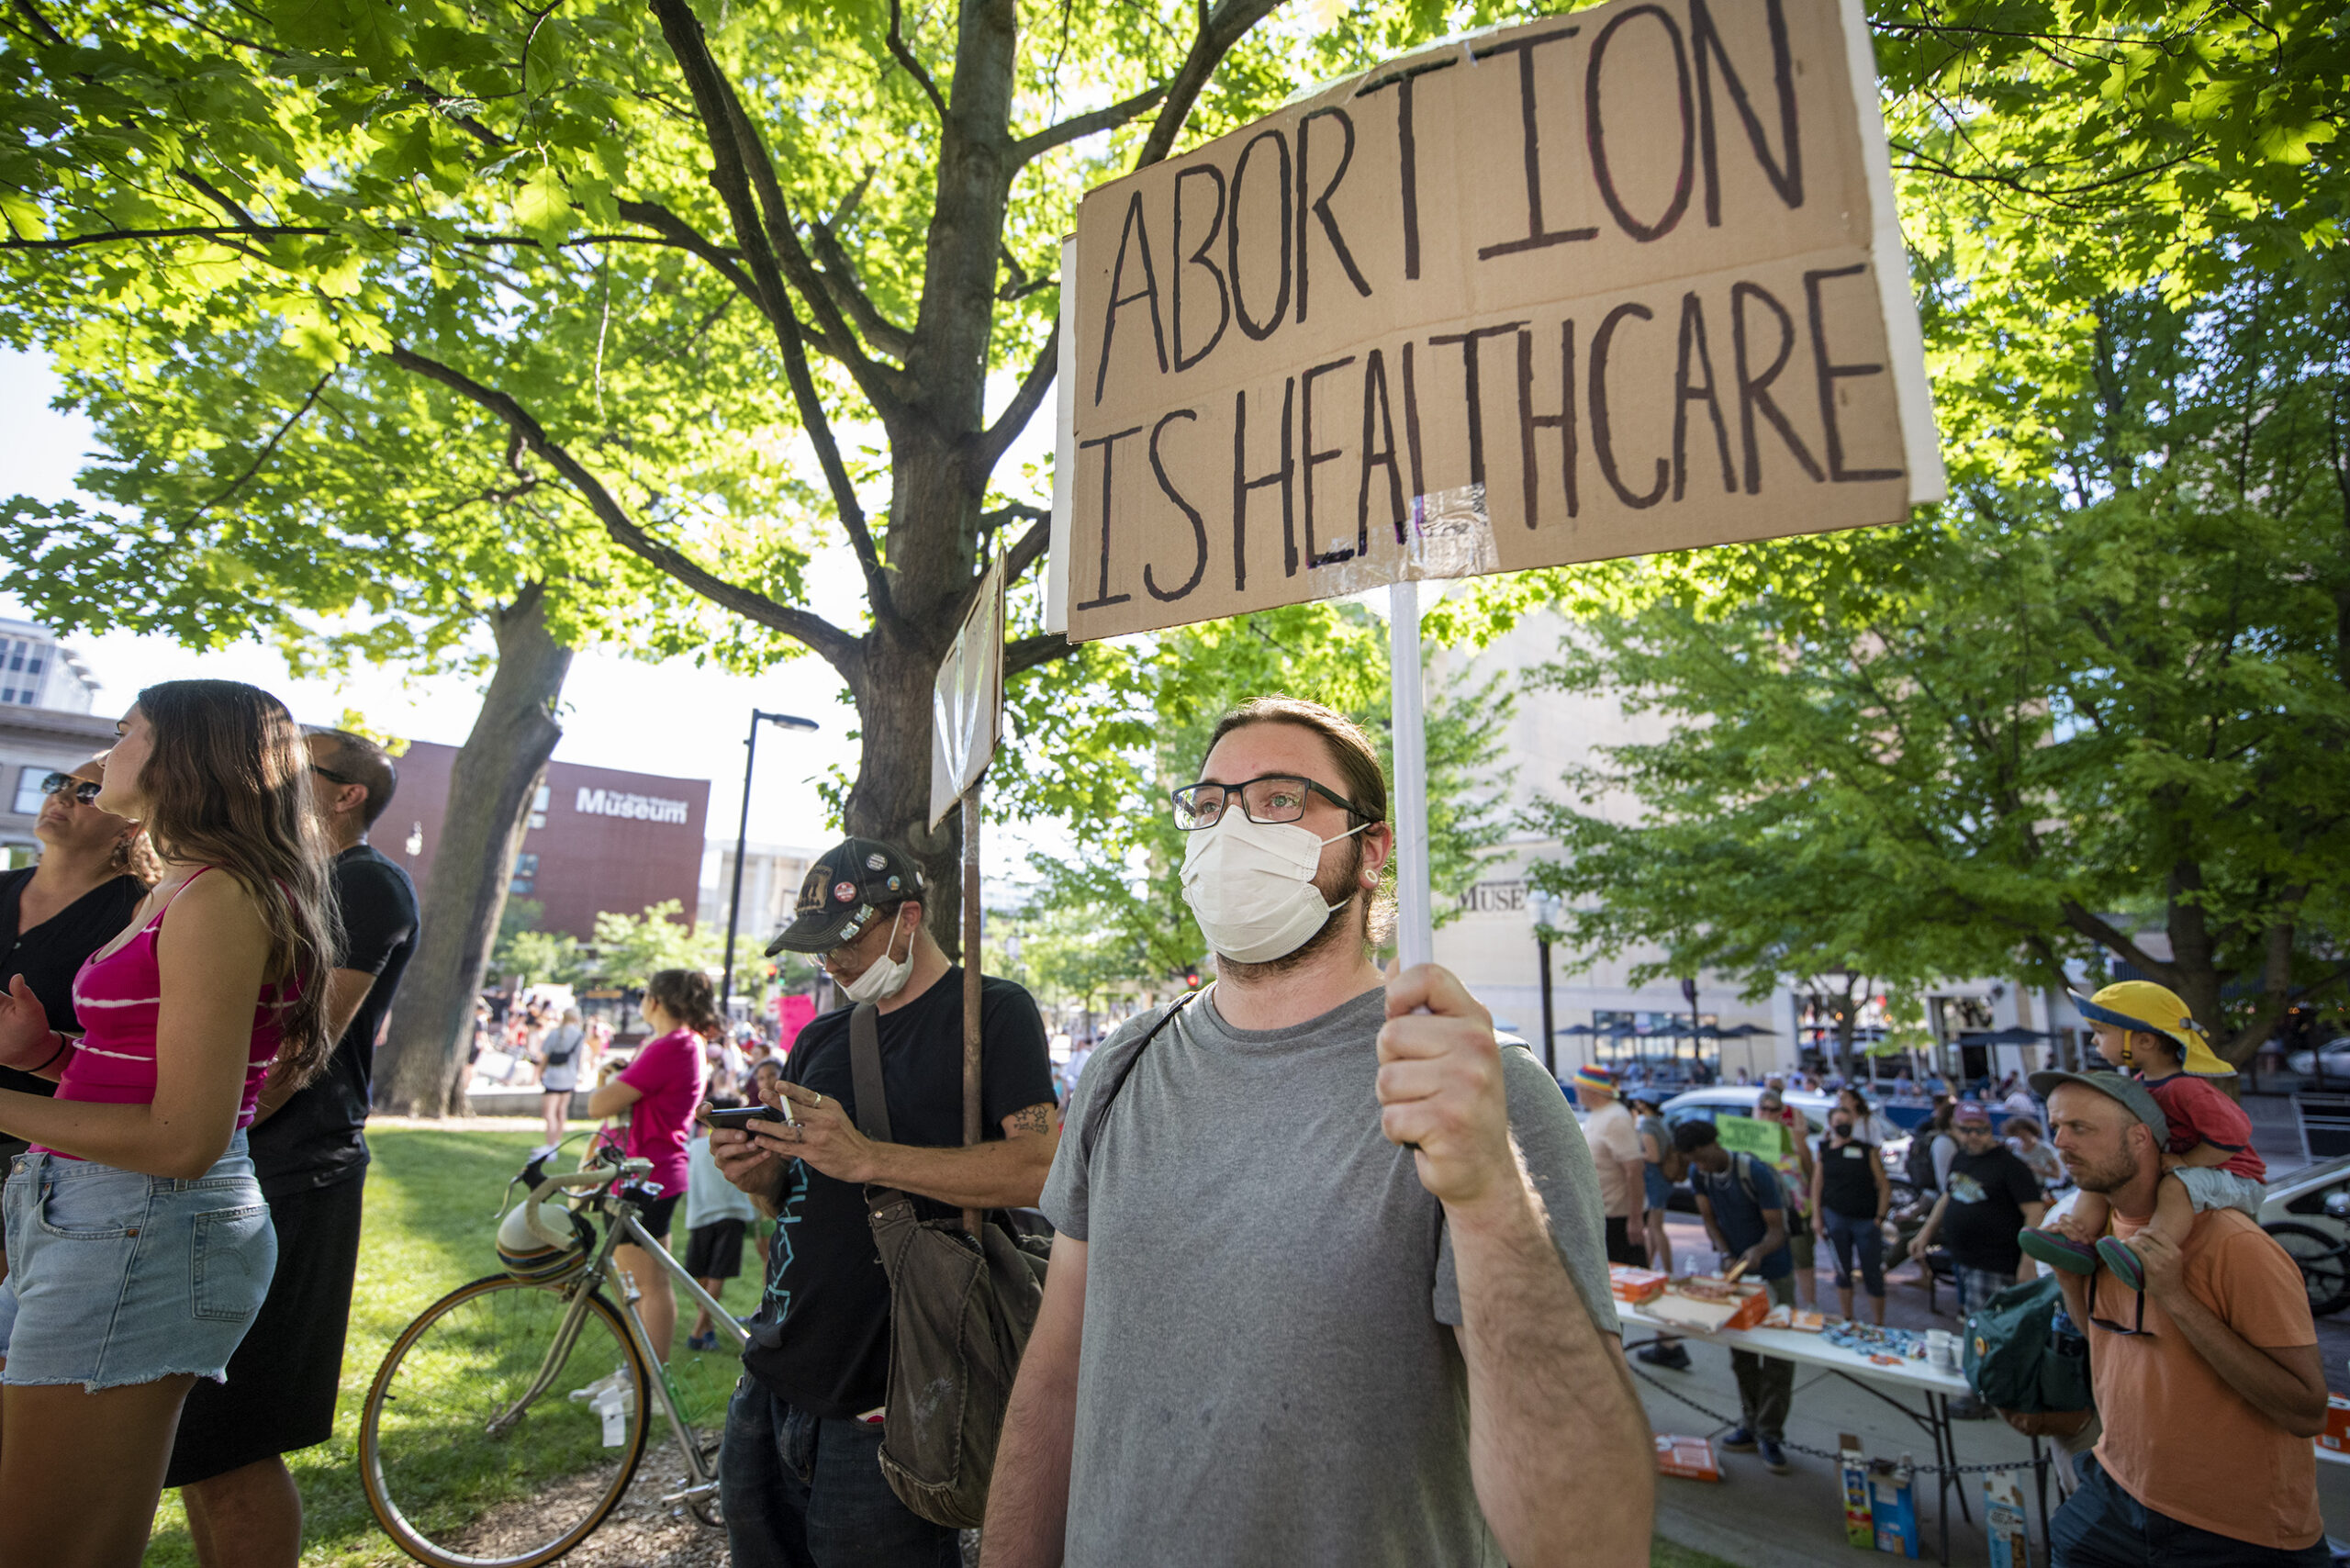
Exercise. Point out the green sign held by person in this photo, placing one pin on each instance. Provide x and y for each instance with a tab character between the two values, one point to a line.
1764	1140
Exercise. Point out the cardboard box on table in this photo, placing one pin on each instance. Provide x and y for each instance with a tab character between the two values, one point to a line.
1745	1308
1635	1286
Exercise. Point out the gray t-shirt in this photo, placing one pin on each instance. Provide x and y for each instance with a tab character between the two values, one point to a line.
1267	1376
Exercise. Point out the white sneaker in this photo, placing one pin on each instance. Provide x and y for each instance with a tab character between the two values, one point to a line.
616	1383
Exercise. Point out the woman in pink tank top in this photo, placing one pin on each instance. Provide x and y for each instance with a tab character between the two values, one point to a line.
138	1243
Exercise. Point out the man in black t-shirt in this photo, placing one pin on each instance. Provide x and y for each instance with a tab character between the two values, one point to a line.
1990	1197
802	1469
310	1149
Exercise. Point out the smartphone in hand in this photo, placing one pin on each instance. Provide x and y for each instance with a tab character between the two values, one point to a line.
743	1117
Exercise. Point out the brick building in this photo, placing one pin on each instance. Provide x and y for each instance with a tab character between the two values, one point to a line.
599	839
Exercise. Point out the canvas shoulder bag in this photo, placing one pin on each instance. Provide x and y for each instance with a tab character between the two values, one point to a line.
960	1313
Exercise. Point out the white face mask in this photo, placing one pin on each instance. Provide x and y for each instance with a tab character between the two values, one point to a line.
1251	885
883	977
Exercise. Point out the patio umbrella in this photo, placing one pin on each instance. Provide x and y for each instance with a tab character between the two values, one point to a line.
1581	1031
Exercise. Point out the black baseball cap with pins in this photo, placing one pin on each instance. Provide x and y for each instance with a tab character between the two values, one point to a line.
847	886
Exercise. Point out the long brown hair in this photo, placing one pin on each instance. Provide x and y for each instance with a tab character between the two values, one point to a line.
227	785
687	996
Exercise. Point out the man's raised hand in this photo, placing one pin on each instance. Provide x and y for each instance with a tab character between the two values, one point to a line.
1440	1089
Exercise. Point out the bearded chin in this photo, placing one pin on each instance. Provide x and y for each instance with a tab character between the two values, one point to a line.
1338	885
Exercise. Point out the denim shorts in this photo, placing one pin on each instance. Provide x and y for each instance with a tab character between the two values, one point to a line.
114	1278
1655	1189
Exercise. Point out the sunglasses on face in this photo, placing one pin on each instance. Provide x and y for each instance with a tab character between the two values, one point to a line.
84	790
331	775
2107	1324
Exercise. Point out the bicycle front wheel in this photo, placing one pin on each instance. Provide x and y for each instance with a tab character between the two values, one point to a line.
503	1426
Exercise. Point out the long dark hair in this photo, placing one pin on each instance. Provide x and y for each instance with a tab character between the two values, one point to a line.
687	996
227	785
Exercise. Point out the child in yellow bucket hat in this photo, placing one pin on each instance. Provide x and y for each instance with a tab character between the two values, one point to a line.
2144	1028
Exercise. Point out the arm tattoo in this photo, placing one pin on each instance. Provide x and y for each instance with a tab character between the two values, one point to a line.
1038	1118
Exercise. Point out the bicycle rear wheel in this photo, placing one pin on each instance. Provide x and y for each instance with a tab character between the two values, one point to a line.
474	1451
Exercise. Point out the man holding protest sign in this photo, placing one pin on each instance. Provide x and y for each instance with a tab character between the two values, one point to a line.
1617	282
1302	1268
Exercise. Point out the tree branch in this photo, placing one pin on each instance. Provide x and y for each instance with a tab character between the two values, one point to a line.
821	636
1023	654
847	291
267	447
1078	126
906	57
989	448
714	103
192	231
684	235
41	25
1219	30
219	198
2098	929
1029	549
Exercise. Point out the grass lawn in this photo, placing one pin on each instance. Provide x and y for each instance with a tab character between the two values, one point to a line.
430	1197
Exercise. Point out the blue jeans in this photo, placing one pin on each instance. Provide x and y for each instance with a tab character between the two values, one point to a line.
2100	1526
1856	1239
799	1492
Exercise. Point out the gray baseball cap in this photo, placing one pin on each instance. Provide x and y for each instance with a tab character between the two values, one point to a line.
2115	1086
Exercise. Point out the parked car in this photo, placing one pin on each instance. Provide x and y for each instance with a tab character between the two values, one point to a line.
2308	1214
2336	1054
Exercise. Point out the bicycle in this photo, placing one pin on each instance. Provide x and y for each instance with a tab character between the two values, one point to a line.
508	1419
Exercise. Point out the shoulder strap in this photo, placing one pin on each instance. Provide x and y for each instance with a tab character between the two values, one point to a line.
1742	1164
865	1072
1097	1109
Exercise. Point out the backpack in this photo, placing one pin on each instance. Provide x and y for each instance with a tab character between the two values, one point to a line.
2022	1353
1919	1167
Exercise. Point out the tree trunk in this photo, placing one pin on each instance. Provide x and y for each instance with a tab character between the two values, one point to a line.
420	1070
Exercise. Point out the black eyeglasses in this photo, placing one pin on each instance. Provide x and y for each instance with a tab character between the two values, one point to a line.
2107	1324
1275	798
85	791
331	775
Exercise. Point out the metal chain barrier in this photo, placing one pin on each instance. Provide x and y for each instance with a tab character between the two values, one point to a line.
1832	1456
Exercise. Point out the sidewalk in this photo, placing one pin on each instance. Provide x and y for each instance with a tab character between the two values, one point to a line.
1756	1519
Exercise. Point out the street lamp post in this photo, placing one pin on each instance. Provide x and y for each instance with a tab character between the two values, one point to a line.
1547	910
743	839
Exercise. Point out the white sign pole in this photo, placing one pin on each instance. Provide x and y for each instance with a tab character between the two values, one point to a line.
1414	924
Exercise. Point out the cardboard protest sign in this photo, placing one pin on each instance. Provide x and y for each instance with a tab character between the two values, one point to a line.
967	699
1751	1135
1620	281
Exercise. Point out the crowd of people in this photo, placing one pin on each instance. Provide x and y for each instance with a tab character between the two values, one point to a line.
200	964
2201	1313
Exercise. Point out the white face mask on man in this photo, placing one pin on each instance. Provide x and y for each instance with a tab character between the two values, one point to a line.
885	976
1251	885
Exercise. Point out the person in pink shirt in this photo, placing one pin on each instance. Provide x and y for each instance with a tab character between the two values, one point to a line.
140	1243
659	1090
